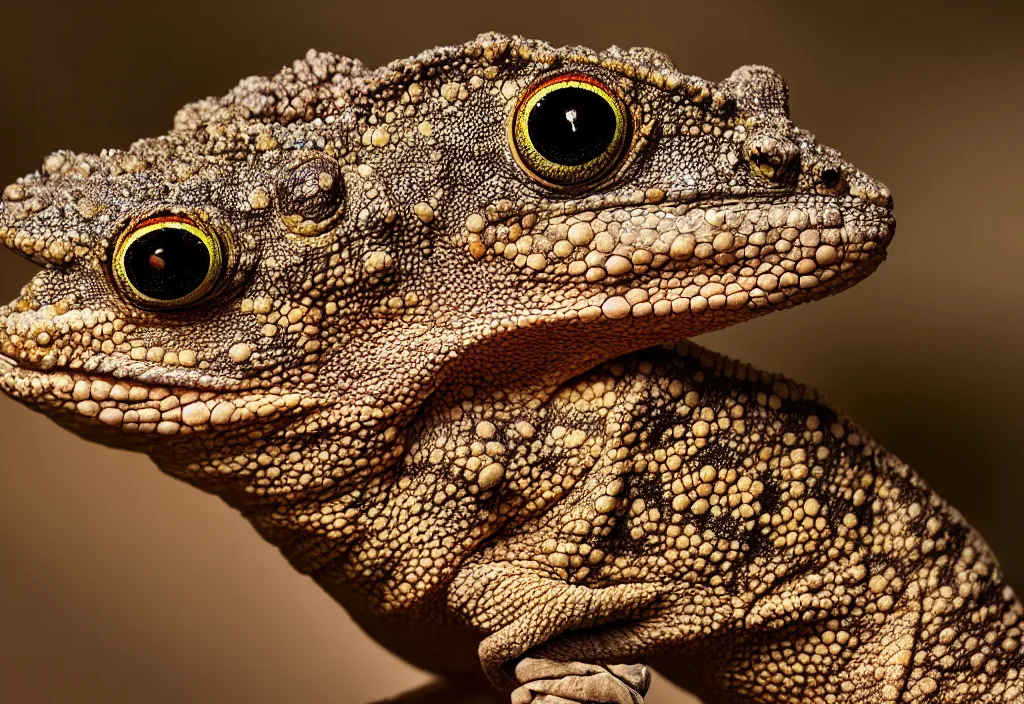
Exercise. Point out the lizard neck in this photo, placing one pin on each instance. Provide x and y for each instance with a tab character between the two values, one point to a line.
474	459
379	504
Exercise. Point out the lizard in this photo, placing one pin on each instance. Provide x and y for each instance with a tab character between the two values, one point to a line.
426	327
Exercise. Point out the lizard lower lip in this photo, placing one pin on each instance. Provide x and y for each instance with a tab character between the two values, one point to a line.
5	360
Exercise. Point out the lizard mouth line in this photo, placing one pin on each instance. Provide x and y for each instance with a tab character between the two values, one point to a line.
61	382
137	407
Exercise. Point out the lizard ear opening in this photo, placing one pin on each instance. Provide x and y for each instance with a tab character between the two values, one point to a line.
570	130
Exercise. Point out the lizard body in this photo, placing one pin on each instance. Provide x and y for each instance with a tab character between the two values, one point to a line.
393	317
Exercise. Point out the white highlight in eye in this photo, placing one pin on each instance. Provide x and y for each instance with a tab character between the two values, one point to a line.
570	115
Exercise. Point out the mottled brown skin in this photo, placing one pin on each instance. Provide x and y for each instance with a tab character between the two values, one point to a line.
419	378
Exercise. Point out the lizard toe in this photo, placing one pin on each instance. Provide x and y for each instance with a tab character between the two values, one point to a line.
551	682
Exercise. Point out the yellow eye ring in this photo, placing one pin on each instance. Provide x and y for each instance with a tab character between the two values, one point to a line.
570	130
167	262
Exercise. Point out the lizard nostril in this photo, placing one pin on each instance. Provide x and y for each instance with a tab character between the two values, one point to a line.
831	177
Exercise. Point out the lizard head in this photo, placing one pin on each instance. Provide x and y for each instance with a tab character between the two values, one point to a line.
316	253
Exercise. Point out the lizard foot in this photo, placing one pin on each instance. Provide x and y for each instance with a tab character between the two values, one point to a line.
546	681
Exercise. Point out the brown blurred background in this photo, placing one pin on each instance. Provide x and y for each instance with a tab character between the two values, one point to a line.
118	584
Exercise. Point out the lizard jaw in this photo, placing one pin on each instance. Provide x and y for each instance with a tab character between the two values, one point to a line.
105	408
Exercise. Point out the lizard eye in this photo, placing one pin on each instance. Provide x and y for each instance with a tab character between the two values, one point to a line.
167	262
570	130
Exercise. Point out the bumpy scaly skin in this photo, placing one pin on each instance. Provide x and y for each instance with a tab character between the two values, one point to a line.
418	377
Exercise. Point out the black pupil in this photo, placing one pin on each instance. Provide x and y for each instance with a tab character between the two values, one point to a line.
571	126
167	263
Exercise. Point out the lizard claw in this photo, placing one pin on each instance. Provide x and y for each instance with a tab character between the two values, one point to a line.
551	682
